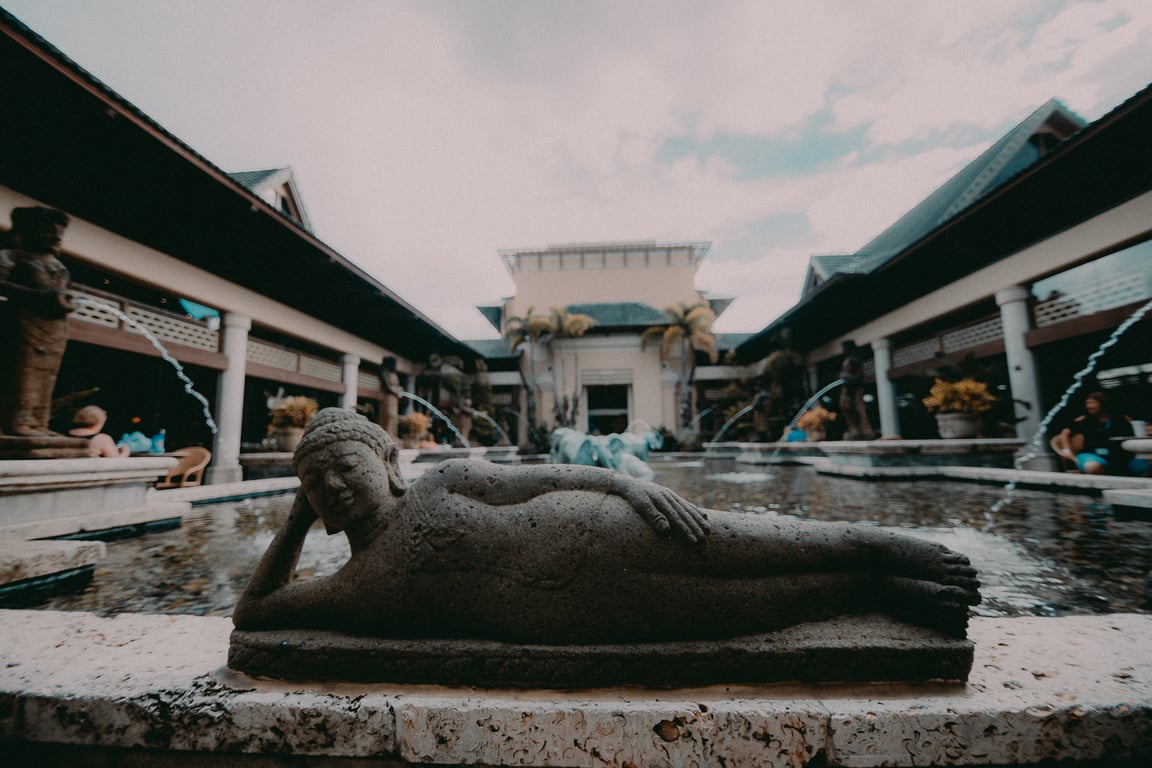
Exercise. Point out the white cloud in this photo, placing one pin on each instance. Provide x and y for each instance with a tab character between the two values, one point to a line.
428	135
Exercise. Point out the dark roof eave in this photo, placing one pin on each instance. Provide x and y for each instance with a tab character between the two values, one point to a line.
110	164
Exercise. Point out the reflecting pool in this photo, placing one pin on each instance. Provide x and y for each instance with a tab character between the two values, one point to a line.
1043	555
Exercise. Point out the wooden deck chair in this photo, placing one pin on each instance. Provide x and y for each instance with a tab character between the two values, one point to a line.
189	470
1058	444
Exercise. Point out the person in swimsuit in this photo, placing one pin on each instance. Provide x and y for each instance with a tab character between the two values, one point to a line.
89	422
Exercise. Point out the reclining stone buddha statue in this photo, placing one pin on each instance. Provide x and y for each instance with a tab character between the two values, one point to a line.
562	555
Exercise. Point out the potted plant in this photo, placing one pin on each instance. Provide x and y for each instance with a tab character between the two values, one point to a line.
958	405
411	427
815	422
289	417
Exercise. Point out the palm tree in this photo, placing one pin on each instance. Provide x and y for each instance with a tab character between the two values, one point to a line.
689	330
530	329
566	325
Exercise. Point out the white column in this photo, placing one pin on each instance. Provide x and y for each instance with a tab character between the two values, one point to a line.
351	375
885	390
230	400
1017	321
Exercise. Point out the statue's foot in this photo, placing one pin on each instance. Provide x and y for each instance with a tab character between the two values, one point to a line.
915	558
941	607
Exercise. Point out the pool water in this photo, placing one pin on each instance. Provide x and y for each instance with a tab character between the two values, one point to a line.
1042	555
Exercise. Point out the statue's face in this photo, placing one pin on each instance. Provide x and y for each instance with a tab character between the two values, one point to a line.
344	484
46	235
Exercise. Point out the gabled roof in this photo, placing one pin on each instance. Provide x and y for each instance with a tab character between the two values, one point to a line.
256	180
281	183
1098	168
1019	148
822	267
494	314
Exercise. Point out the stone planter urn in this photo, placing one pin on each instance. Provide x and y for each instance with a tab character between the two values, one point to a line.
287	438
957	425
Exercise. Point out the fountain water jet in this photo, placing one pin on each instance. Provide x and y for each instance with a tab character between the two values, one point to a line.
1033	448
436	412
500	432
733	420
189	387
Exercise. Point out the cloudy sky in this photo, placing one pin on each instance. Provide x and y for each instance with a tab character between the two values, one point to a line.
426	135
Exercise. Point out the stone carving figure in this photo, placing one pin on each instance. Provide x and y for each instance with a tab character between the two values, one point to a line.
33	324
390	409
565	554
857	426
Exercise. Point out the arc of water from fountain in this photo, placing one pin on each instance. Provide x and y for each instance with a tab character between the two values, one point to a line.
189	387
811	401
491	421
733	420
1033	447
791	424
436	412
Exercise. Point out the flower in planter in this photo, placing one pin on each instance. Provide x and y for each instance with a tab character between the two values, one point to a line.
964	396
815	418
294	411
412	426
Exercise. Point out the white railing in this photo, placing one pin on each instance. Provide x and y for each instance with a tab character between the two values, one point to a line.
101	309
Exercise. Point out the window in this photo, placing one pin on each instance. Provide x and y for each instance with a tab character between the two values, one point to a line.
607	409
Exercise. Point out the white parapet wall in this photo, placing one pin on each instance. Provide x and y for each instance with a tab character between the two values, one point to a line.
1076	688
39	490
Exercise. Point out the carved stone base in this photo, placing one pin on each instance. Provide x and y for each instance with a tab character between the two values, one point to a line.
45	447
850	649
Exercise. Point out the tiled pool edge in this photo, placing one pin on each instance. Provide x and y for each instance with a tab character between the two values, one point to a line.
1076	688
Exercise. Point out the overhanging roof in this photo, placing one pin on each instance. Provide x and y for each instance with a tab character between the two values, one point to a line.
72	143
1103	165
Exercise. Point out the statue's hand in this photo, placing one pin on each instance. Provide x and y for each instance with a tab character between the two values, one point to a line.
665	511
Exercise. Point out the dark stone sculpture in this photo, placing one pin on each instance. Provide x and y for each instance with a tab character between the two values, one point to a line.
781	391
602	578
33	334
390	407
856	423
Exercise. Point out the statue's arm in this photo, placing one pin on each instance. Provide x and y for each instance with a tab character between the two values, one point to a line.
50	302
270	597
502	485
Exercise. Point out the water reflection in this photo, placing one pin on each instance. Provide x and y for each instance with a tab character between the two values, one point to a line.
1044	555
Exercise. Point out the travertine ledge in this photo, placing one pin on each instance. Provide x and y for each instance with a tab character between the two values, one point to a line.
1040	688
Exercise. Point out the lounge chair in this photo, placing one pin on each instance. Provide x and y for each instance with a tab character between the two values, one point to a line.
189	470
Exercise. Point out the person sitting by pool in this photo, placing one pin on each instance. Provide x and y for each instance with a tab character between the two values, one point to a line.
1101	435
570	554
89	422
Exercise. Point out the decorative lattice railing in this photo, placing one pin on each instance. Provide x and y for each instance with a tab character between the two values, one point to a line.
105	310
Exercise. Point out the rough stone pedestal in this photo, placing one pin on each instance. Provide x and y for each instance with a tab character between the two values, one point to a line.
850	649
1041	689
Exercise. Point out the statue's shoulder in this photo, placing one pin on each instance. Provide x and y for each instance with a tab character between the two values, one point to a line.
451	470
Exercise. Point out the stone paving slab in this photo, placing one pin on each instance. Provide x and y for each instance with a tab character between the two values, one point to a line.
1075	688
23	560
134	517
